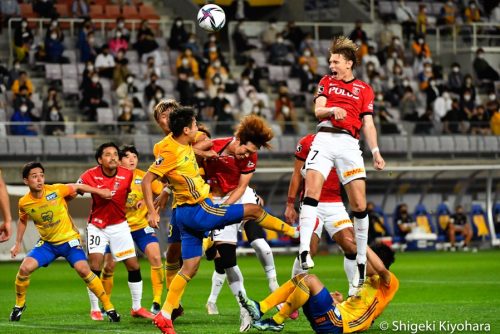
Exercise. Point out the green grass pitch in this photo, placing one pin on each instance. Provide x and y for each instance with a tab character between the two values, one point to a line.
454	288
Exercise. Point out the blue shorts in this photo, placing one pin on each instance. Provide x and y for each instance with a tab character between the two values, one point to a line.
319	309
174	234
144	237
194	221
45	252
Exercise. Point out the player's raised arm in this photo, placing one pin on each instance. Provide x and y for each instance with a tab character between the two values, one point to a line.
370	134
84	188
147	190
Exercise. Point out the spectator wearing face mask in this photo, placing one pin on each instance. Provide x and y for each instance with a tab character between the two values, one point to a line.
117	43
14	73
395	85
492	102
54	27
468	84
307	79
105	63
387	122
484	71
54	49
87	74
120	26
44	8
472	14
278	52
120	72
24	98
393	59
178	35
151	68
310	59
408	105
52	100
407	19
54	116
442	105
216	77
152	89
88	50
22	81
187	88
431	92
127	91
222	112
25	128
126	118
455	79
447	14
420	48
186	63
244	87
146	44
23	38
467	103
253	74
92	98
453	121
285	114
192	44
422	23
425	76
158	95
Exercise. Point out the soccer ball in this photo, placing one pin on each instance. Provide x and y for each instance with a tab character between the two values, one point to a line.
211	18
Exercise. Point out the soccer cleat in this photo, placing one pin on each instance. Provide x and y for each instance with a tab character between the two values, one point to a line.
294	315
361	271
251	306
16	313
113	316
165	325
142	313
212	308
245	320
155	308
177	312
268	325
96	315
306	261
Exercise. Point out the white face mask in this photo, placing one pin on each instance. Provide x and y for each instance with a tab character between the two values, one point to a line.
420	41
190	79
212	38
212	49
90	68
285	110
130	80
126	109
467	97
397	42
95	79
456	69
227	110
406	83
17	66
279	40
394	55
23	108
54	24
217	64
220	96
53	36
118	35
121	24
446	96
24	24
192	41
159	96
178	23
307	53
245	82
380	97
432	83
305	68
492	97
273	25
256	109
480	55
185	62
91	40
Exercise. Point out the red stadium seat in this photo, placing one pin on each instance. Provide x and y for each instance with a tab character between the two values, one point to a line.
130	12
113	11
62	10
27	10
147	12
97	12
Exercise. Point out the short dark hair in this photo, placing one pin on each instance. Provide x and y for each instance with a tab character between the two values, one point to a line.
385	253
100	149
179	119
128	148
29	166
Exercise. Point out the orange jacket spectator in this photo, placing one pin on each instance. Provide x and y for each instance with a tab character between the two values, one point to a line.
472	14
22	81
495	123
421	49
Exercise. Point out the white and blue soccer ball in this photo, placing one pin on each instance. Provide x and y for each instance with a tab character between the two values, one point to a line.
211	18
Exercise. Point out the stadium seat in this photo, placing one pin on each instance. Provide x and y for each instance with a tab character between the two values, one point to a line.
447	144
62	9
462	144
423	218
69	70
53	71
442	219
17	145
147	12
4	147
34	146
385	219
143	144
478	220
112	11
131	13
105	116
70	87
431	144
490	144
51	146
27	10
85	146
68	146
97	11
288	145
387	144
418	144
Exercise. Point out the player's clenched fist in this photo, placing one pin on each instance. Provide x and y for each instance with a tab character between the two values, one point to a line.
378	161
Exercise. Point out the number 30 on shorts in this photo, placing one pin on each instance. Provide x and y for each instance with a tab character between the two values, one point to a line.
94	240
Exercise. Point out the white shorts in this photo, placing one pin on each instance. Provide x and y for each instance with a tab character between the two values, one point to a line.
337	150
230	232
333	217
118	238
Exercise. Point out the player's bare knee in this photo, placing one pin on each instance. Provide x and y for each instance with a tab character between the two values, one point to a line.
132	264
173	252
26	269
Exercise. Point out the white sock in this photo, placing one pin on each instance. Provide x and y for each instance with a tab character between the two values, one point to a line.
136	293
297	268
235	281
308	216
351	269
265	255
217	284
94	302
361	233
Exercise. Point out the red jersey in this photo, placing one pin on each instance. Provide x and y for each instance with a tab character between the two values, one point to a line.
106	212
224	171
331	187
355	96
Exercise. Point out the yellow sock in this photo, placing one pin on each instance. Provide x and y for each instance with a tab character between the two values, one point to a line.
22	284
280	294
297	298
175	292
95	285
171	269
107	281
157	279
275	224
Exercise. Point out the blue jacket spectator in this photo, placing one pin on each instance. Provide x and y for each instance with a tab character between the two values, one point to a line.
54	49
21	115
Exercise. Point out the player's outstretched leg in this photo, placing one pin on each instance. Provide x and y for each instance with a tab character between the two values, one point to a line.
218	279
268	325
308	216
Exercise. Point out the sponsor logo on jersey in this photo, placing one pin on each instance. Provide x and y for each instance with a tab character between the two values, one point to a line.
138	181
116	185
343	92
98	178
47	216
51	196
355	90
321	88
353	172
250	164
120	177
299	148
